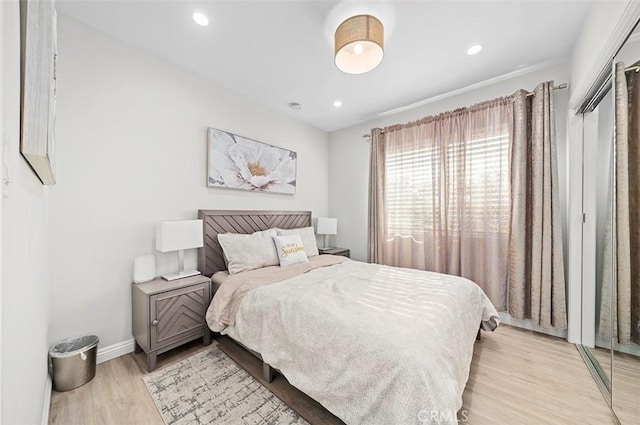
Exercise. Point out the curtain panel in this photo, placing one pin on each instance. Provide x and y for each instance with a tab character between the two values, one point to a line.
536	264
446	195
620	302
377	213
441	199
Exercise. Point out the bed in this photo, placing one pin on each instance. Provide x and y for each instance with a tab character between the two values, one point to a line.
373	344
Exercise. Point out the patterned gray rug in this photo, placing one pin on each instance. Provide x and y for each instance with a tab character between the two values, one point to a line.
210	388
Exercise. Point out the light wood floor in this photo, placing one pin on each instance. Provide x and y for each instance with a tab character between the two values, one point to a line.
517	377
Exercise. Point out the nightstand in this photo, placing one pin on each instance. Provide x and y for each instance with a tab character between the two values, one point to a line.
167	314
335	251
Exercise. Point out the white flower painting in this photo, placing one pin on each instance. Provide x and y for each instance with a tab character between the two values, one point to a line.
236	162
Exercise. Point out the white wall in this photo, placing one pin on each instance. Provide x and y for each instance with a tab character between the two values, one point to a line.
25	267
131	140
349	152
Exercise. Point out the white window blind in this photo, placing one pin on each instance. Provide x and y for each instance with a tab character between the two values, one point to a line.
461	187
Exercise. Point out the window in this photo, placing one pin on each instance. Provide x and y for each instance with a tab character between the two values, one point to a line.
460	187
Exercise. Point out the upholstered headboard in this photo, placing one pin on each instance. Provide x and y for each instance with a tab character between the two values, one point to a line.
210	258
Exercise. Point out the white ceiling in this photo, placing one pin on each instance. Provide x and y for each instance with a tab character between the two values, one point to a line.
276	52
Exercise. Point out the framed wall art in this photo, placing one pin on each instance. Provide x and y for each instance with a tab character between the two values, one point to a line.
38	89
236	162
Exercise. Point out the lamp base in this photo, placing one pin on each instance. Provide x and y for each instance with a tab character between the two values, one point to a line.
180	275
325	247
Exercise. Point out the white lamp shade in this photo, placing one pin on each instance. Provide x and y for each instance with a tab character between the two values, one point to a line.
177	235
327	226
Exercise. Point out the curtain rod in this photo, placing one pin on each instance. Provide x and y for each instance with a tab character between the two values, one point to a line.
558	87
529	94
635	68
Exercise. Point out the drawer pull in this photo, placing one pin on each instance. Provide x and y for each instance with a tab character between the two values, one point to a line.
154	323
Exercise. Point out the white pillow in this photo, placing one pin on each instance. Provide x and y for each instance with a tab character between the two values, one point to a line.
290	250
307	236
248	252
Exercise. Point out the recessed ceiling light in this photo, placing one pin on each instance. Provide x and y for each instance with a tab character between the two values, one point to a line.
474	49
337	103
200	18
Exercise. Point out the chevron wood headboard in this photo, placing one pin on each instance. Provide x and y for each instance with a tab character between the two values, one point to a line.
210	257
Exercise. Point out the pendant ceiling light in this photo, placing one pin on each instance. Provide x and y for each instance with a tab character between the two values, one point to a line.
359	44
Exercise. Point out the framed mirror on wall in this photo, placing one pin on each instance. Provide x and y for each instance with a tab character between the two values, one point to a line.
611	240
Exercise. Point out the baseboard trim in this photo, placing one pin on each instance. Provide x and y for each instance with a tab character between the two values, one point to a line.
526	324
631	348
116	350
46	404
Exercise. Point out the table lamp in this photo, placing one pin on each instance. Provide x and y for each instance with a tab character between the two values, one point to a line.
327	226
178	236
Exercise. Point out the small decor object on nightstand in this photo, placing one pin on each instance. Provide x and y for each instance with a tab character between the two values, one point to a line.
144	268
178	236
335	251
327	226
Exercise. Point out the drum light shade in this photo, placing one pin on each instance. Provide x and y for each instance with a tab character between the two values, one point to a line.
359	44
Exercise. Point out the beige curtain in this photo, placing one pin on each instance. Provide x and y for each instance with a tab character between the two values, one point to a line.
536	270
633	187
446	192
605	326
473	193
626	234
376	221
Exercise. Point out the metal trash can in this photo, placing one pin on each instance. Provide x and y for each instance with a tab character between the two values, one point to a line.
73	362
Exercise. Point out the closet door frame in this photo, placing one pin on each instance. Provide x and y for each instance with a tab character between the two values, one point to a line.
589	207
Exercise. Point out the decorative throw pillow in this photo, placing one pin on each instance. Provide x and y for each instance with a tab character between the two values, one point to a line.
290	250
307	236
248	252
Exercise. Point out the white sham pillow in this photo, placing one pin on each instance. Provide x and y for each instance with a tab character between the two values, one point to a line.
307	236
249	252
290	250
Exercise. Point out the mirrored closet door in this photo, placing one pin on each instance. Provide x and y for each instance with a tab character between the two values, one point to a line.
599	142
624	312
611	283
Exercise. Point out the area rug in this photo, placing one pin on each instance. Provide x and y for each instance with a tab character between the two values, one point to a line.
210	388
